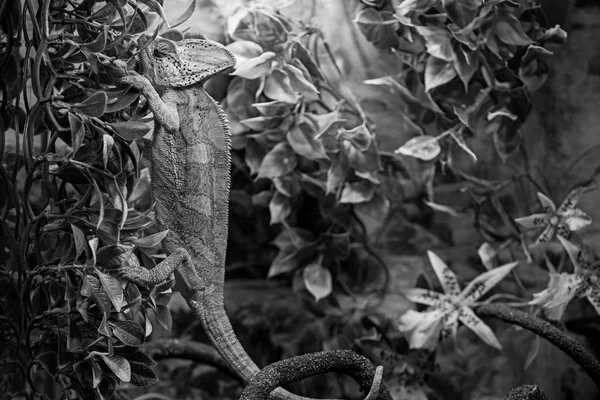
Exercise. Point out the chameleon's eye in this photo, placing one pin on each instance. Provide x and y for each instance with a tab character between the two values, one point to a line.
162	49
159	54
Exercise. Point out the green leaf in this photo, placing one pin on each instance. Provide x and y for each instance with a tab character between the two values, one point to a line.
281	160
99	294
337	172
357	192
437	40
77	131
272	108
378	27
460	141
113	256
360	137
142	375
263	123
288	185
186	15
415	5
130	130
465	62
366	160
128	332
423	147
155	6
255	67
278	87
302	139
79	240
244	50
280	208
93	106
98	44
300	84
118	365
438	72
113	289
269	28
509	30
163	316
254	155
317	280
151	240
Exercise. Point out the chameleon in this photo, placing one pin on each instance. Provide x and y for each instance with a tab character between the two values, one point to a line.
190	161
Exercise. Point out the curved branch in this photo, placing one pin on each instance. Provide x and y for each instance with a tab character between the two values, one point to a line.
543	329
307	365
188	350
526	392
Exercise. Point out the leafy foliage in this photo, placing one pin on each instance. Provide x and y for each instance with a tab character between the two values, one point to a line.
75	202
473	63
312	145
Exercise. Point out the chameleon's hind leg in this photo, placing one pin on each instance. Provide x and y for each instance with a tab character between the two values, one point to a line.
179	260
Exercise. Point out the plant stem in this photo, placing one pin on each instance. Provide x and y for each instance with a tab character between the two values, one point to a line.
545	330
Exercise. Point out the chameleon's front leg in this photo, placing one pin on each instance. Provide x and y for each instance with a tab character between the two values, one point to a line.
165	112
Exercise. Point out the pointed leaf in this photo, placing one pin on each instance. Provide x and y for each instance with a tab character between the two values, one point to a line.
255	67
357	192
474	323
438	72
119	366
278	87
281	160
280	208
94	105
113	289
151	240
445	275
378	27
299	83
437	40
317	280
336	174
130	130
302	139
509	30
423	147
128	332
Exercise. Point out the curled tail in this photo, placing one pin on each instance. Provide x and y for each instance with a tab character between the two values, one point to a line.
219	330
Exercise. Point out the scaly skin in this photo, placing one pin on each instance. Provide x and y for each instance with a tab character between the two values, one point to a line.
190	183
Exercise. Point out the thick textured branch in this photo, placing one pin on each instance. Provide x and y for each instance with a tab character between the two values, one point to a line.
545	330
188	350
526	392
307	365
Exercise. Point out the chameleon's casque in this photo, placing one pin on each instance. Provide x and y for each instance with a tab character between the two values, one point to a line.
190	156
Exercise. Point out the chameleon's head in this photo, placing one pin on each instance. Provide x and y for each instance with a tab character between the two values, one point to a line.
177	64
